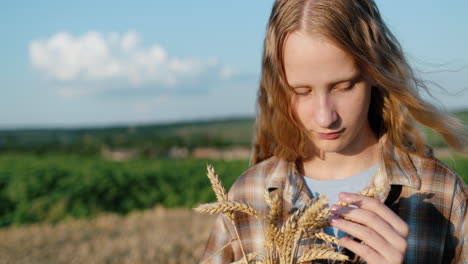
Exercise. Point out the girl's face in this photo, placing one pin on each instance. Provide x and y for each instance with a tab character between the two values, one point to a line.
331	96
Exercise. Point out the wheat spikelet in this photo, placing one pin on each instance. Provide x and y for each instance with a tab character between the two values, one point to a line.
327	238
315	225
341	203
322	252
226	207
310	214
291	222
289	242
275	209
326	212
218	188
320	220
272	234
271	231
267	198
279	240
288	231
309	218
320	224
368	191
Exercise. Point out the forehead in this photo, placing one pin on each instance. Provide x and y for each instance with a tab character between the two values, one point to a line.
315	60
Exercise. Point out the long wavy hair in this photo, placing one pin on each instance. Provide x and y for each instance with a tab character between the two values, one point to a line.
357	27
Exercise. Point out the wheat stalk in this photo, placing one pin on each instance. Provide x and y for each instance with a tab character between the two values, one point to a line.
226	207
222	196
218	188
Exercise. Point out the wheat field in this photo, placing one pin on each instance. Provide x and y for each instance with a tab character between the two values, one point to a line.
158	235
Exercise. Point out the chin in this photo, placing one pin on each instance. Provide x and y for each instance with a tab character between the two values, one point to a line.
335	145
330	147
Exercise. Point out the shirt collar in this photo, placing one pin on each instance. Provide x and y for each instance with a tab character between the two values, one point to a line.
286	179
279	175
398	169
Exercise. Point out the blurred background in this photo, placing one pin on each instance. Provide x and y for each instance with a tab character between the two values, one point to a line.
110	111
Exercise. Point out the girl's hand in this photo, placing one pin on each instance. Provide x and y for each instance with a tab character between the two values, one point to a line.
383	232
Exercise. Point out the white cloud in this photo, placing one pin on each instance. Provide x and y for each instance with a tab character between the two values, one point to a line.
129	41
98	61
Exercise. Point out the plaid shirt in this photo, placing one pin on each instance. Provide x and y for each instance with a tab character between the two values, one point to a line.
424	192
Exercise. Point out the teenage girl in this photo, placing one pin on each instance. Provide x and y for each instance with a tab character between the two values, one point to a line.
337	110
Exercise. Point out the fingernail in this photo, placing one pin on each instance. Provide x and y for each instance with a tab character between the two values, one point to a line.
333	219
334	208
344	196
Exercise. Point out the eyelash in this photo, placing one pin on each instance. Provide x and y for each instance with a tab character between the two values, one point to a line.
347	88
303	93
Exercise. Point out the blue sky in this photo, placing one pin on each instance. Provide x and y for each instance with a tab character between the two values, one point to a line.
87	63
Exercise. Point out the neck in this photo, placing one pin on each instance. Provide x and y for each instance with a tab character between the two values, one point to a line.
340	165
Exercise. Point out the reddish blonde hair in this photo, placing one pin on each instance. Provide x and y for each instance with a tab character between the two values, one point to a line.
357	27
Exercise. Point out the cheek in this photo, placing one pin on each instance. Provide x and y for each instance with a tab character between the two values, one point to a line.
303	111
353	109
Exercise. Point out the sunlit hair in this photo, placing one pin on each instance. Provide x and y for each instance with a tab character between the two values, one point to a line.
357	27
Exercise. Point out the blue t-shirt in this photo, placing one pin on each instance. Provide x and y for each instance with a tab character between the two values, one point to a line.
331	188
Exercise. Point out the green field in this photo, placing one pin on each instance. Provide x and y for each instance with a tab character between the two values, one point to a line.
55	187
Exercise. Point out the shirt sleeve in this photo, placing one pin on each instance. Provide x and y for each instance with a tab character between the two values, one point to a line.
219	248
456	246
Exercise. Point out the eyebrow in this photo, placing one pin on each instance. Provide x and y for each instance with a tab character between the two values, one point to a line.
354	77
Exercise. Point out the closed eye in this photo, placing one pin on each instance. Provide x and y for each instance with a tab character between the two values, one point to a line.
302	90
344	86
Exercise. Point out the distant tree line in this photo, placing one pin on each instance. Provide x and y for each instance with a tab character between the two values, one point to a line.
153	140
150	140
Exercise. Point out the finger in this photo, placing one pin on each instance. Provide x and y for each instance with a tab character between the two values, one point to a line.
374	222
364	251
367	235
376	206
367	252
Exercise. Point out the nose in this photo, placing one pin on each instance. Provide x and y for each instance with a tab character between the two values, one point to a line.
325	114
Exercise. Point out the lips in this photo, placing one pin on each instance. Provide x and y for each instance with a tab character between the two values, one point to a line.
329	135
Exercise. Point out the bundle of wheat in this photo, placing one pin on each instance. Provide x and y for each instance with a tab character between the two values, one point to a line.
281	243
